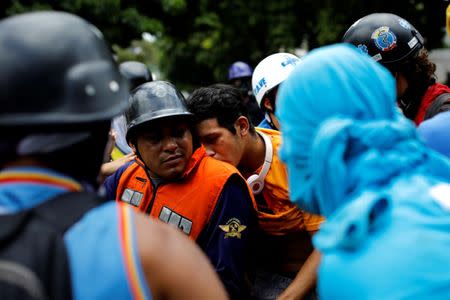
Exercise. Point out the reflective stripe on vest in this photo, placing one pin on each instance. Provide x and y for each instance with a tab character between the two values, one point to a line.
187	204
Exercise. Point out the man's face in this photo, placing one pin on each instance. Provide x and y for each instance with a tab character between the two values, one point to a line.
165	146
219	142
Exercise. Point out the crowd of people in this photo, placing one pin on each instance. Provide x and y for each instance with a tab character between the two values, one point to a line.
321	177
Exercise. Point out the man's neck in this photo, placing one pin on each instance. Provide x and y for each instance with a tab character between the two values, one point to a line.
254	154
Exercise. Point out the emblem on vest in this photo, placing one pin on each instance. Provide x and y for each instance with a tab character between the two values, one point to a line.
233	228
169	216
132	197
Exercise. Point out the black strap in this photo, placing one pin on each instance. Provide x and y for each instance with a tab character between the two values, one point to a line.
61	212
437	106
66	209
11	225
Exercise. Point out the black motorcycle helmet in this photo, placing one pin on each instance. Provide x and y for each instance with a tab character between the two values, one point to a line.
136	72
153	101
387	38
56	72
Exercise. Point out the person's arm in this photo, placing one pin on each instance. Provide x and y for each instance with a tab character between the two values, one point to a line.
174	266
111	183
109	168
305	279
229	236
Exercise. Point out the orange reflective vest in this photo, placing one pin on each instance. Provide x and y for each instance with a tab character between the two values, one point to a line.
187	203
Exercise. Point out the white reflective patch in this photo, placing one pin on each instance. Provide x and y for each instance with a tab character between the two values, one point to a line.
413	42
174	219
136	198
377	57
441	193
127	195
168	216
185	225
165	214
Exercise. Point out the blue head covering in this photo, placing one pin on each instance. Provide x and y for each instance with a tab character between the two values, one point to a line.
341	128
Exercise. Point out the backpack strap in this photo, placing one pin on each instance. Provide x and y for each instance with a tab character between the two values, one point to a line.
66	209
12	224
61	212
437	106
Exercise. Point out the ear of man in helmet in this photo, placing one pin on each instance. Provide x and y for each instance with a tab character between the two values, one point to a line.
159	129
268	75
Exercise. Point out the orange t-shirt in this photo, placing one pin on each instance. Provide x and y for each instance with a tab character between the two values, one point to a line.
281	216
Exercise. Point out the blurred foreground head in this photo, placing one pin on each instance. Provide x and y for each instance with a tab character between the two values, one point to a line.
338	108
59	89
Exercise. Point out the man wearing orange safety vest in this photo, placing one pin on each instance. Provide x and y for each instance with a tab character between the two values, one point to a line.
224	129
174	180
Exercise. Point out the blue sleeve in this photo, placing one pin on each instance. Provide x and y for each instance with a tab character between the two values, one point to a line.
112	182
226	241
264	124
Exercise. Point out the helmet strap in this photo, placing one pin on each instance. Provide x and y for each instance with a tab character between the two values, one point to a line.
268	118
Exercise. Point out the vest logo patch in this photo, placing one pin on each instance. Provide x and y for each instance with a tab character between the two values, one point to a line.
132	197
169	216
233	228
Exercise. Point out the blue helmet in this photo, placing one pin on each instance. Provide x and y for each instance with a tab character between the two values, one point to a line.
239	69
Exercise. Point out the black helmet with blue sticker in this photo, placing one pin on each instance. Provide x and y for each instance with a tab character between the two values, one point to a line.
387	38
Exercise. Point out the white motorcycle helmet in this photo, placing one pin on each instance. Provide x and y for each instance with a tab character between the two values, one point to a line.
272	71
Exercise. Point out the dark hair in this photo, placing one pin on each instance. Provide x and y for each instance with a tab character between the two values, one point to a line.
419	71
220	101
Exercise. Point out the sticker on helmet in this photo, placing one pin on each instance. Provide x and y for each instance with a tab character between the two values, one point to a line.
289	61
261	83
363	48
384	38
405	24
413	42
377	57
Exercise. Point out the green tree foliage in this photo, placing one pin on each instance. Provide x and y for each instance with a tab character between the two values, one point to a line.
119	21
199	39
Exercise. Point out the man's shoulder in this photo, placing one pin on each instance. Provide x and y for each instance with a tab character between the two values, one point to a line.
274	135
213	166
270	132
129	167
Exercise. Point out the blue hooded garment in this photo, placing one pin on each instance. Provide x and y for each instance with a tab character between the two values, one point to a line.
352	157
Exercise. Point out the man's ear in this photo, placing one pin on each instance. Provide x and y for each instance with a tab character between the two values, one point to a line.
267	105
242	125
132	146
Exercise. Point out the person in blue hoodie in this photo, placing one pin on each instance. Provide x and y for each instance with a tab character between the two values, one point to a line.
353	158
